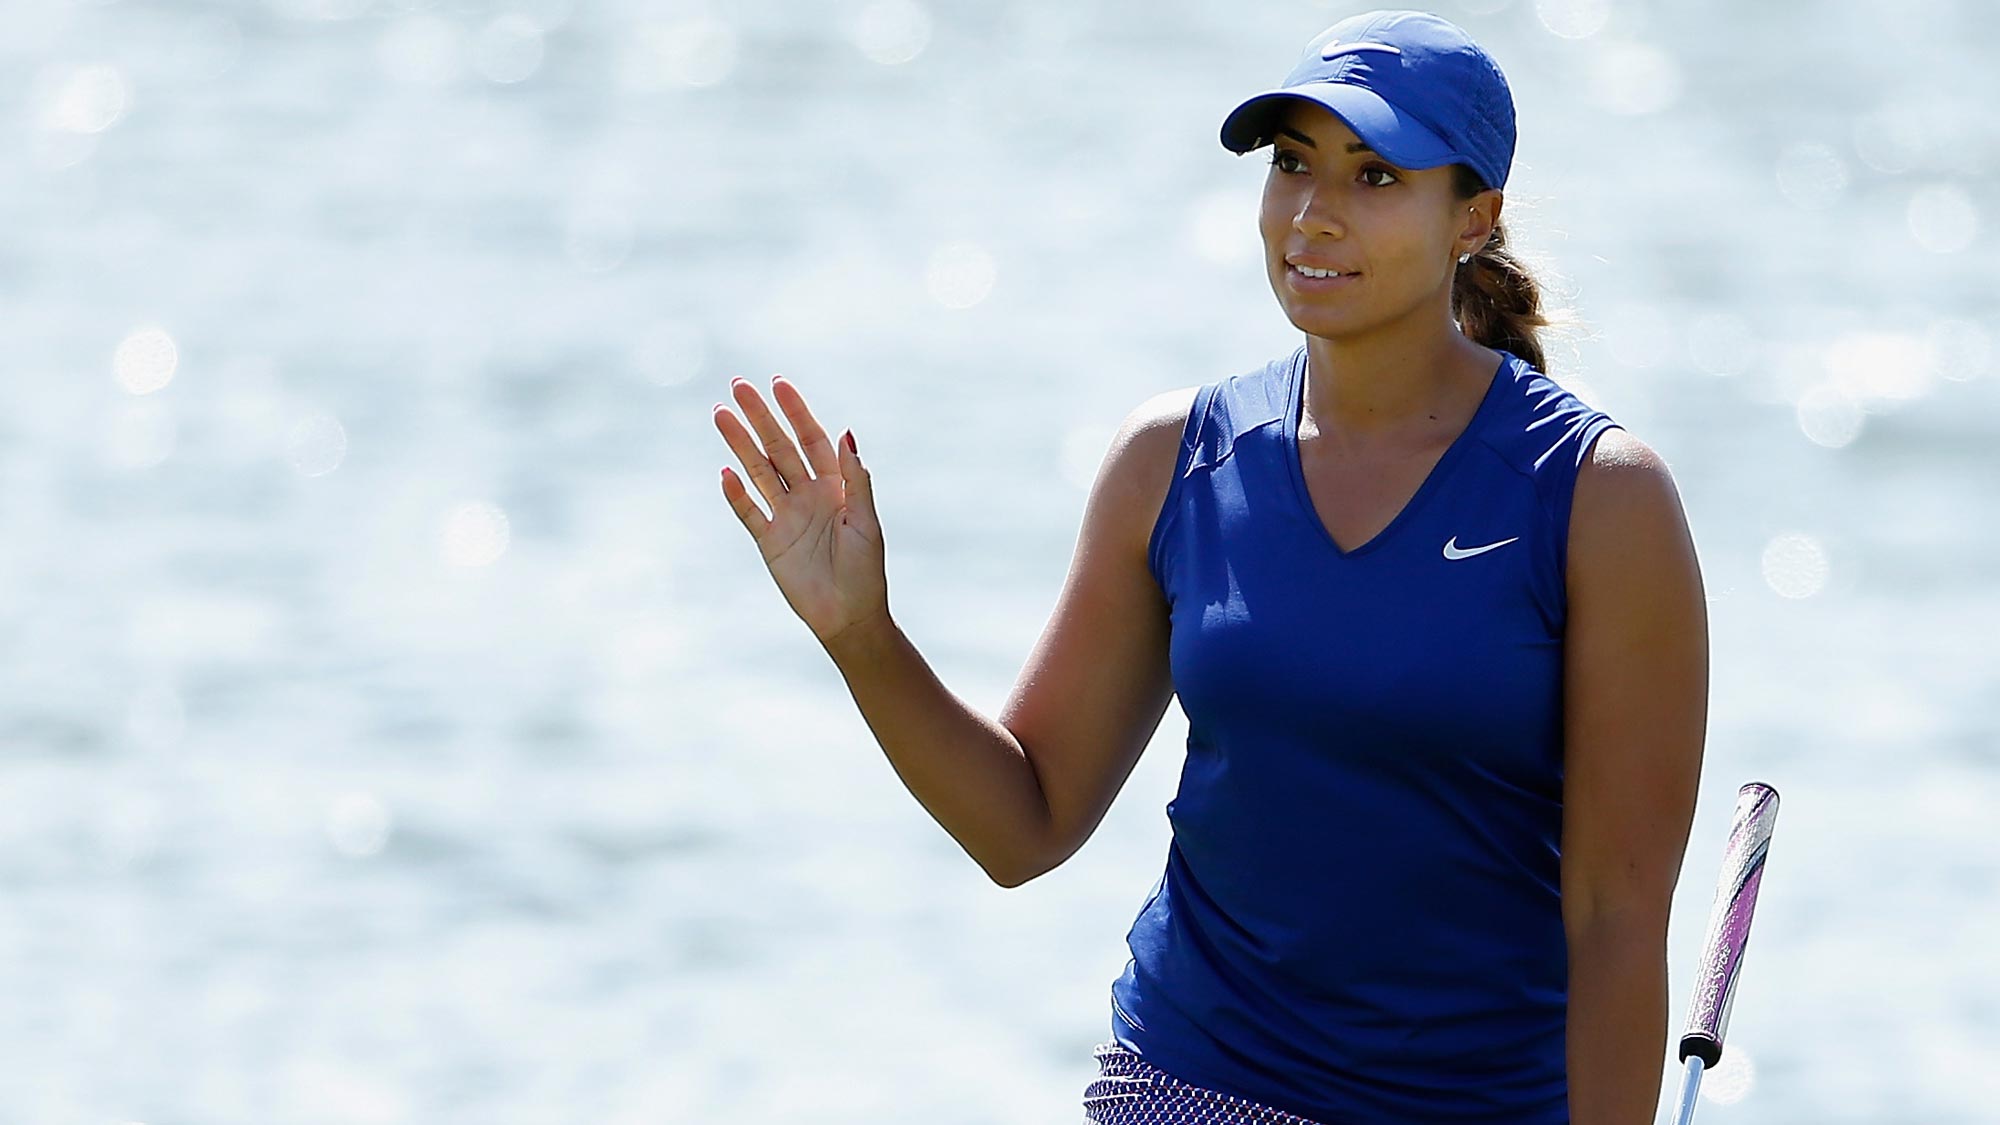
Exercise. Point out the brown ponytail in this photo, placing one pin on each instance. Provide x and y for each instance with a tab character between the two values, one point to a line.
1497	301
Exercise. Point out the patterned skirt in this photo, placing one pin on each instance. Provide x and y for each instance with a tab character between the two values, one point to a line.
1128	1090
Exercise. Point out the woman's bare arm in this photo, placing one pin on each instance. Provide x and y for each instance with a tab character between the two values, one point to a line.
1092	692
1636	705
1021	793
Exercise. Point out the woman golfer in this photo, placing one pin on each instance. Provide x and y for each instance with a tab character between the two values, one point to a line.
1437	626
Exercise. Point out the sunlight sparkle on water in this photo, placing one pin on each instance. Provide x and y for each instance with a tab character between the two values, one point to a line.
1960	349
316	444
1829	416
1942	218
145	361
891	31
1868	366
959	275
1795	565
1891	138
357	824
1732	1079
1573	19
669	352
691	52
475	533
1632	78
421	49
1811	175
89	99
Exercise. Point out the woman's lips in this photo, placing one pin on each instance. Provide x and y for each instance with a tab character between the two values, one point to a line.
1304	284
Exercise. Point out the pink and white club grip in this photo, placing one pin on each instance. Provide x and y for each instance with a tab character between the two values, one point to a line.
1729	921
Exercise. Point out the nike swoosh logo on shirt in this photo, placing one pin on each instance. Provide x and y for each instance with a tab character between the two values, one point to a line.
1453	551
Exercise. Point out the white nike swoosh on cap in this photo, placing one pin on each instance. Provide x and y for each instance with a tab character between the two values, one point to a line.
1453	551
1335	47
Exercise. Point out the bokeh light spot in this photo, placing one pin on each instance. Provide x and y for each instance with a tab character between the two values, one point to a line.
1887	139
89	99
1795	565
316	445
1829	416
690	53
357	824
1732	1079
1960	349
960	275
420	49
670	352
1634	78
1879	365
1573	19
891	32
475	533
1811	175
145	361
1943	219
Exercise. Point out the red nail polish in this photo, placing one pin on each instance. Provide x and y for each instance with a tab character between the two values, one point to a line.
850	444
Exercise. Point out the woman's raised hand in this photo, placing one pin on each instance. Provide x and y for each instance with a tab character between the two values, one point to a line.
822	542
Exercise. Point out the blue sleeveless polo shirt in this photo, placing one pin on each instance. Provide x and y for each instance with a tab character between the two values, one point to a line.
1360	918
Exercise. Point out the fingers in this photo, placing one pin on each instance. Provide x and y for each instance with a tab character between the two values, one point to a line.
755	465
778	447
818	448
860	492
745	508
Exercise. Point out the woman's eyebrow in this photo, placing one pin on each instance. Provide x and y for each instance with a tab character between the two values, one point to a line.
1357	146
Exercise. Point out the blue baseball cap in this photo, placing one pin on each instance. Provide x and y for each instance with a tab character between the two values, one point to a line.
1412	84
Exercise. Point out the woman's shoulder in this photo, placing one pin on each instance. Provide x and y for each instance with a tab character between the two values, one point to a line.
1626	514
1544	429
1138	469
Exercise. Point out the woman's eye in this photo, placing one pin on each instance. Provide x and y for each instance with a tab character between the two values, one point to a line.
1291	162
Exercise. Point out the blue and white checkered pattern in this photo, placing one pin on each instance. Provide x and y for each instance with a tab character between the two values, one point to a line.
1128	1090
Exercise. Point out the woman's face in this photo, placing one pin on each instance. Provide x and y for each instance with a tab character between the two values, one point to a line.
1332	203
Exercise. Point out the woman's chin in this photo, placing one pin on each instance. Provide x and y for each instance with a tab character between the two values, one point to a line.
1319	320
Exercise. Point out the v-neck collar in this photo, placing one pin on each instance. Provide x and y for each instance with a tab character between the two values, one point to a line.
1294	407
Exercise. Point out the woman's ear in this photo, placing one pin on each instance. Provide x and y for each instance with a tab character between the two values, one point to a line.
1482	218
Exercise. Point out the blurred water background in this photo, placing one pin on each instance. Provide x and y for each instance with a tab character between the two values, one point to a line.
398	726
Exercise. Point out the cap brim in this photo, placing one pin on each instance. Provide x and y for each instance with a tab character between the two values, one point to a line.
1394	135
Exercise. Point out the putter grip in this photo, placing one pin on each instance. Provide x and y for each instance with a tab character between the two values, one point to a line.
1729	921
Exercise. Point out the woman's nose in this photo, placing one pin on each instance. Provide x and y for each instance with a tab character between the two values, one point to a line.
1319	214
